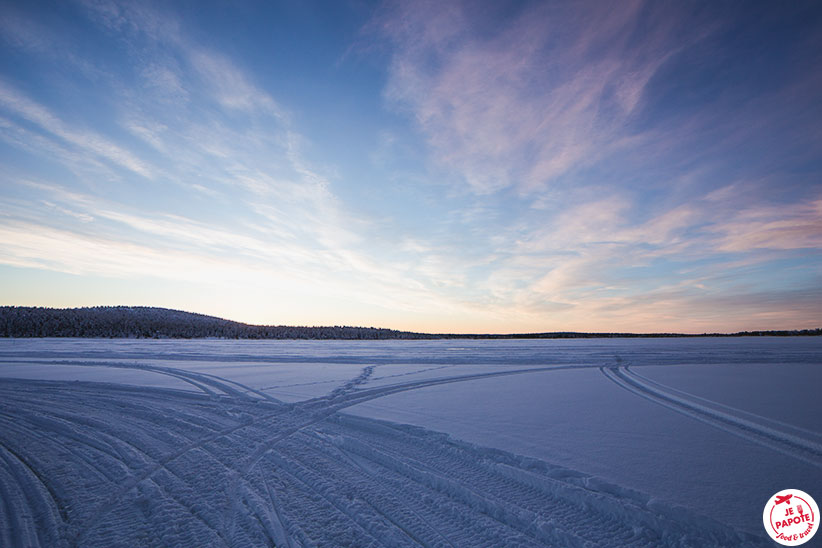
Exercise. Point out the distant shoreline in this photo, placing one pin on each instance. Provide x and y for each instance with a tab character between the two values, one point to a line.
123	322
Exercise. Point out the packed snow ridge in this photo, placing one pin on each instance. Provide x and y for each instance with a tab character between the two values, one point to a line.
100	464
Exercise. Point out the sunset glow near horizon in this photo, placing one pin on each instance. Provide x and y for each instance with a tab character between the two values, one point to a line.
426	166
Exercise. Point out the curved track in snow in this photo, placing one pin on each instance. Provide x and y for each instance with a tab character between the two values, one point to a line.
789	440
96	464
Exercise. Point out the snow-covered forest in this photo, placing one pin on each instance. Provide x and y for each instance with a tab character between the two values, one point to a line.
142	322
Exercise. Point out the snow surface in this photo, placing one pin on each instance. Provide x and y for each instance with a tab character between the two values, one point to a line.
628	442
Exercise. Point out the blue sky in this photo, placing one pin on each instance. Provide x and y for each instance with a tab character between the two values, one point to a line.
432	166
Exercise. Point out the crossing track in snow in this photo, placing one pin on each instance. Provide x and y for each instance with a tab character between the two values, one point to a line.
99	464
205	382
789	440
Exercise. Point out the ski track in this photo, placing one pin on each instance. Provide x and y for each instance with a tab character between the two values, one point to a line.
98	464
788	440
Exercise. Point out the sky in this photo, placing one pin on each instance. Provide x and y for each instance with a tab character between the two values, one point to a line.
429	166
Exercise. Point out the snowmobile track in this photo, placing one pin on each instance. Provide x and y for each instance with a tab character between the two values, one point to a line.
231	466
786	440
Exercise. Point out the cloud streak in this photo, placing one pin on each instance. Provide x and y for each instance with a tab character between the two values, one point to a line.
87	141
544	94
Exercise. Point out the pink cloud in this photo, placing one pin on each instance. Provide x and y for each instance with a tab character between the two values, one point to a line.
544	93
793	226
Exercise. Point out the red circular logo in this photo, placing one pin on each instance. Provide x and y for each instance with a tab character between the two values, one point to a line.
791	517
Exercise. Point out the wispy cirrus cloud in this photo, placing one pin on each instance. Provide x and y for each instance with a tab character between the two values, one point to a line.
592	264
266	220
258	256
227	83
521	102
796	226
623	127
262	214
87	141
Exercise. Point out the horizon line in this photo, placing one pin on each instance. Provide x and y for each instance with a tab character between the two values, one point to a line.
816	331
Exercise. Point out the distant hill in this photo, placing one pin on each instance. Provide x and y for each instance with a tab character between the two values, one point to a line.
141	322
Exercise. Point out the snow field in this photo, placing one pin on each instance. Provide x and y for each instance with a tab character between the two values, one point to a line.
151	467
225	462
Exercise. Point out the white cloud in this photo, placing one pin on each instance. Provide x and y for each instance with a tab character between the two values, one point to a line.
86	140
164	82
538	97
229	84
792	226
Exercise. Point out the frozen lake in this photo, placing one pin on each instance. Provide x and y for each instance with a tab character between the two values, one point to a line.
615	442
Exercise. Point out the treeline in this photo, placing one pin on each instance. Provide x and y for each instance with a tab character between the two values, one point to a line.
141	322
